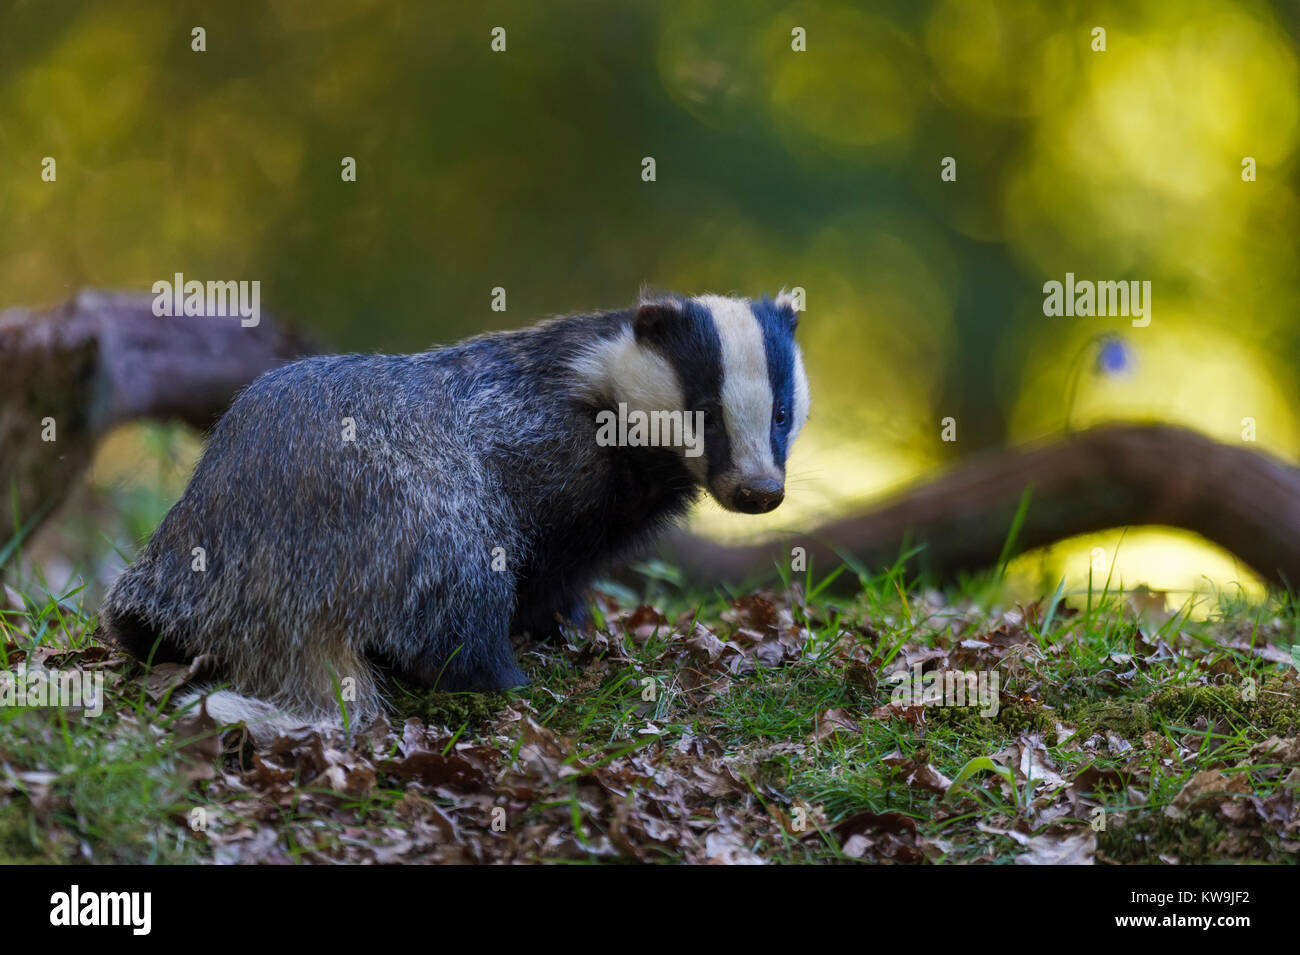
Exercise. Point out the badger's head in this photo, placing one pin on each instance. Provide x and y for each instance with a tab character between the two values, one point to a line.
731	368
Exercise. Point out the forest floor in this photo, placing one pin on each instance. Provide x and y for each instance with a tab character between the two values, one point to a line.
782	725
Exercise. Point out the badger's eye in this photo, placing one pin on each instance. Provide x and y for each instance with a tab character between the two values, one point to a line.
779	414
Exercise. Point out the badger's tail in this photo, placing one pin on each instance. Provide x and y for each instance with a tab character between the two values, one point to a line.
264	720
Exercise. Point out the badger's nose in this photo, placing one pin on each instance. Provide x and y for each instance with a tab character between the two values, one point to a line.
758	497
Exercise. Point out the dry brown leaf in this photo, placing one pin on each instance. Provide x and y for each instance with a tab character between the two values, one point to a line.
1208	789
644	622
1067	848
201	746
164	678
836	721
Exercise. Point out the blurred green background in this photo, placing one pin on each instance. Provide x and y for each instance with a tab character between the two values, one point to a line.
775	168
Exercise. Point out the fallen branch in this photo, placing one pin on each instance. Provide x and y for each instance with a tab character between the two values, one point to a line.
79	369
1112	476
103	358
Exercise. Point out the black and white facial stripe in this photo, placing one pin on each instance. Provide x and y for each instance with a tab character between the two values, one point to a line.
734	360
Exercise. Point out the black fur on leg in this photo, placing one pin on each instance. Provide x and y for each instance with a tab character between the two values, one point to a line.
136	636
478	654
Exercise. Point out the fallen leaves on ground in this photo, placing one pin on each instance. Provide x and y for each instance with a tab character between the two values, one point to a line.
517	789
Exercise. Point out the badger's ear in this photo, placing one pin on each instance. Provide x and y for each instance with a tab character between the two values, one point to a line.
788	303
653	317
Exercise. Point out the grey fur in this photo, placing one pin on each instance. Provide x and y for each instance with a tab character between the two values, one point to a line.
325	555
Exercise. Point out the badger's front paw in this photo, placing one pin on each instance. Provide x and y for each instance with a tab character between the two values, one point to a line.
484	679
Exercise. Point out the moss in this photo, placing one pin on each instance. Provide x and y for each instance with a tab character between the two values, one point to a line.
15	838
1129	718
773	772
1276	709
452	710
1147	835
565	721
1013	718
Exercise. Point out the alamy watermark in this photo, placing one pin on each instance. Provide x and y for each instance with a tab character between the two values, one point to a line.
72	689
209	300
129	909
651	429
1087	298
946	688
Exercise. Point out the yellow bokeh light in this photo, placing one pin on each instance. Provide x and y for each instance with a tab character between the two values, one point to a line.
1180	372
1181	564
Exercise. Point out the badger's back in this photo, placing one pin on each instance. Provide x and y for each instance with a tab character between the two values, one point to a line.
310	518
417	510
346	502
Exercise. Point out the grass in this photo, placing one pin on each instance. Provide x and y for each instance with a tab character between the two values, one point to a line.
711	725
75	787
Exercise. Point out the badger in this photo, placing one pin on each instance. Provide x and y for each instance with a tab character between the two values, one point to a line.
354	516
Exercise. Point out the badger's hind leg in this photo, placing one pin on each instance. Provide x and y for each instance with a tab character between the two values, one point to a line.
322	679
134	634
327	675
467	645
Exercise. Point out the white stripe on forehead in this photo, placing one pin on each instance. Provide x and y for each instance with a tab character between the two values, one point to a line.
746	389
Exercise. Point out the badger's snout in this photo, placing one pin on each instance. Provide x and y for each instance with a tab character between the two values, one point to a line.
758	496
